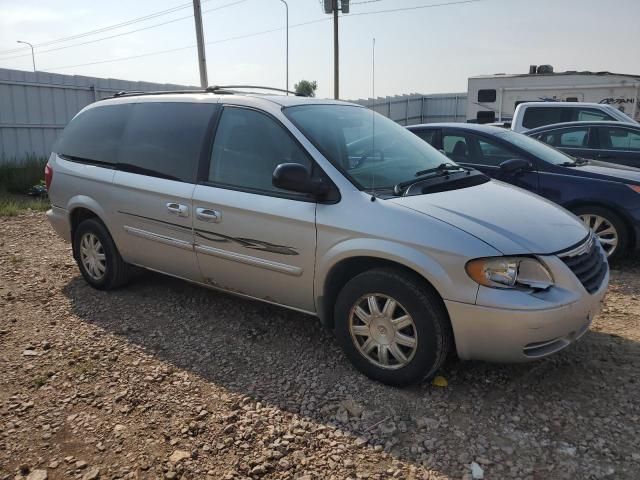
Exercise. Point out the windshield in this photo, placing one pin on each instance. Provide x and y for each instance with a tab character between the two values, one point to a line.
539	149
371	150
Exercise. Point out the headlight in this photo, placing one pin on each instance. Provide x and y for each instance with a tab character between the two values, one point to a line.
510	272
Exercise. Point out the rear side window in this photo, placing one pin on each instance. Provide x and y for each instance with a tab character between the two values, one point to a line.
591	114
164	139
540	116
573	138
455	147
95	134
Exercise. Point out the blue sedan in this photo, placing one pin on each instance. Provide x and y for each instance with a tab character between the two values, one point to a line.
605	196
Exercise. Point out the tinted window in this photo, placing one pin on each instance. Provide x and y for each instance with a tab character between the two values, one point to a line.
95	134
487	95
612	138
164	139
540	116
248	147
486	117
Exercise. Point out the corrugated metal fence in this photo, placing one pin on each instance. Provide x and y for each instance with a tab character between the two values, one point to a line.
417	108
35	107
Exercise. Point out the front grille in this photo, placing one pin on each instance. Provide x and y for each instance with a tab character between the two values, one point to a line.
588	262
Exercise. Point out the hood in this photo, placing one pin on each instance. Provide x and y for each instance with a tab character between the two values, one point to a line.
610	170
508	218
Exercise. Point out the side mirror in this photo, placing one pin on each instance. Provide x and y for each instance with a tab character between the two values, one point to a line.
296	178
515	165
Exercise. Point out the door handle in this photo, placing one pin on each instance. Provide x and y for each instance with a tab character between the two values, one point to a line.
178	209
208	215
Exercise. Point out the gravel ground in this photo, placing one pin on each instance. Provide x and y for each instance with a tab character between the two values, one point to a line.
164	379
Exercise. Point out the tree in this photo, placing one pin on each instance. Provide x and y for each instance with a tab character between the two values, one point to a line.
306	88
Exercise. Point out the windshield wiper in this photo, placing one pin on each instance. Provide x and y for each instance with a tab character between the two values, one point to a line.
575	162
444	169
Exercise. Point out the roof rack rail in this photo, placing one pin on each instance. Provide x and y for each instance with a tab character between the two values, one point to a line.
219	89
216	88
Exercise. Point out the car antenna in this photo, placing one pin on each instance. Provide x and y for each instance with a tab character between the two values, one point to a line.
373	114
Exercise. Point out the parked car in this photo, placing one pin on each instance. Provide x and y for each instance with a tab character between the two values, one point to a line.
405	255
610	142
604	196
530	115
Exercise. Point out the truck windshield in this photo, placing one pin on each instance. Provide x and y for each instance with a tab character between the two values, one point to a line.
537	148
371	150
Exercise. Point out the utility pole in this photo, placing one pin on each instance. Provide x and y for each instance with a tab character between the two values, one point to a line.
33	57
331	6
286	6
202	60
336	53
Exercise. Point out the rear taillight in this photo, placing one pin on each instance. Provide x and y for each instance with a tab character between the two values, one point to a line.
48	176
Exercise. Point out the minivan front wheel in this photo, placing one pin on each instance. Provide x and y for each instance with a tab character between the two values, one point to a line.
392	327
97	256
608	227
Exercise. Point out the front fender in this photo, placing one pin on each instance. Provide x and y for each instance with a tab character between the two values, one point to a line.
443	270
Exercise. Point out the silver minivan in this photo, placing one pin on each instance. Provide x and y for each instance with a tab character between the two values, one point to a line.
330	209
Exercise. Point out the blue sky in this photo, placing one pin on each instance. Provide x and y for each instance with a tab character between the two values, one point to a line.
426	50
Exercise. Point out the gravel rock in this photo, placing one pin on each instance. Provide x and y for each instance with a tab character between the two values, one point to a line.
38	475
124	380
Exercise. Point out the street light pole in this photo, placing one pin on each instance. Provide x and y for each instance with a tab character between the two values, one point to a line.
286	6
33	57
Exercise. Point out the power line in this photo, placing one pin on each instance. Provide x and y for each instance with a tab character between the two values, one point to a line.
126	33
418	7
110	27
214	42
159	52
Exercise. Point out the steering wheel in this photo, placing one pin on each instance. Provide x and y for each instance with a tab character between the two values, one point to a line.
367	155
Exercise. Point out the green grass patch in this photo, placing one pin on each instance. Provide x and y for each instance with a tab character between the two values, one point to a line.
12	205
20	176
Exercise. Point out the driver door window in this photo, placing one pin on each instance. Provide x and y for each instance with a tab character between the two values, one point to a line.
248	146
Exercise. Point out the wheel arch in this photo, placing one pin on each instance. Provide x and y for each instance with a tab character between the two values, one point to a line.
347	268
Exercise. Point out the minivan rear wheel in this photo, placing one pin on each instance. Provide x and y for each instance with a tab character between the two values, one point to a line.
608	227
97	256
392	326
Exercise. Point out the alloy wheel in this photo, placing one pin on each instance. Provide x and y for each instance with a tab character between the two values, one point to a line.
383	331
604	230
92	256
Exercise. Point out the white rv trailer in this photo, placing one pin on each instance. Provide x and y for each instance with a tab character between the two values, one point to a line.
493	98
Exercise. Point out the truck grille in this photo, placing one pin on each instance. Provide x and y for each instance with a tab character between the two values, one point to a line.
587	262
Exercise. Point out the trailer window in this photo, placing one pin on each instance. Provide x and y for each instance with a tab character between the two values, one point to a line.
488	95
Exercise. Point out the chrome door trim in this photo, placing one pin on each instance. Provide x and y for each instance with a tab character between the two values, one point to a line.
174	242
249	260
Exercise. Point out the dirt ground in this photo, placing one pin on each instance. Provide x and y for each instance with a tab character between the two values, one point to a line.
164	379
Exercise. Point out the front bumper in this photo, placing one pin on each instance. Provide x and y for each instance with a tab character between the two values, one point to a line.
509	326
59	219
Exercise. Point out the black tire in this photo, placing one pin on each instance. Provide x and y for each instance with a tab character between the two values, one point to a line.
422	303
615	220
117	271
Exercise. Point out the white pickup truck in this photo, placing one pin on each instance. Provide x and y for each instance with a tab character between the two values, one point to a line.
538	114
